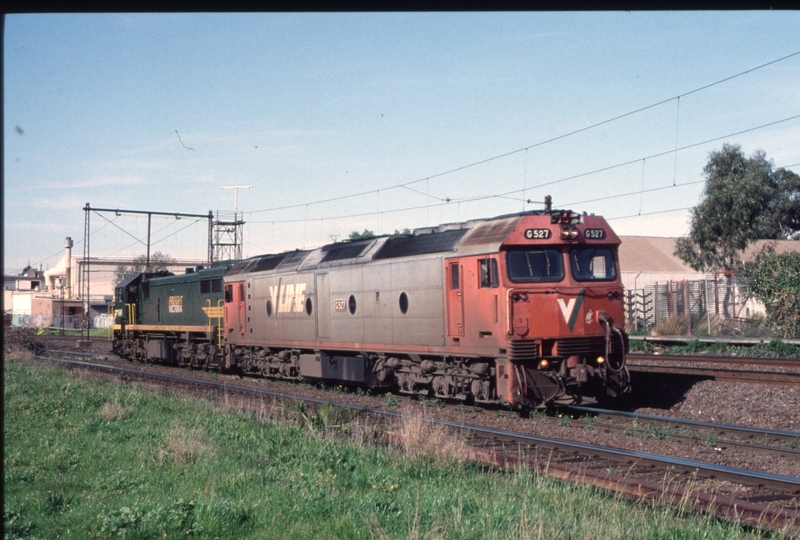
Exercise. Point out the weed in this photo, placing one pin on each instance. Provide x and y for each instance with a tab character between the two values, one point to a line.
55	501
541	414
793	443
389	400
499	414
673	326
183	447
589	424
14	524
564	420
420	438
117	522
432	403
657	431
460	408
633	429
711	439
113	410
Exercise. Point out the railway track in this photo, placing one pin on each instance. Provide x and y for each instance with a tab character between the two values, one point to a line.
721	368
561	456
723	436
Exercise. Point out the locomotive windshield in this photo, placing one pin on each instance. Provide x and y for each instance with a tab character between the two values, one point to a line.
532	265
592	264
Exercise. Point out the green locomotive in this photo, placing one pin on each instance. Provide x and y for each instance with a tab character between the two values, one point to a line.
172	319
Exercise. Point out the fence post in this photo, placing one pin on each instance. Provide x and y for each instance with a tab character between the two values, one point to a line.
688	309
655	300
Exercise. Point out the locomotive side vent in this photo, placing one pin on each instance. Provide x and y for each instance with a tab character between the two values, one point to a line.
521	350
581	346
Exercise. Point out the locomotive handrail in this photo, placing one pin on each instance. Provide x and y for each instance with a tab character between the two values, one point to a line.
220	329
217	314
510	311
131	313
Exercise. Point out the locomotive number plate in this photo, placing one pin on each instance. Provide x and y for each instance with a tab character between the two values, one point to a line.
537	234
176	304
340	305
594	234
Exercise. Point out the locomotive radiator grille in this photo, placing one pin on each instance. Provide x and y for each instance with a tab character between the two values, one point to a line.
582	346
521	350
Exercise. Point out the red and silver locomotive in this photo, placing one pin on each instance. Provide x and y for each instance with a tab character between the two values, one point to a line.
521	310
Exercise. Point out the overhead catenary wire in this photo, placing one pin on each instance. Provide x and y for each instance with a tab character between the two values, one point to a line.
508	194
406	185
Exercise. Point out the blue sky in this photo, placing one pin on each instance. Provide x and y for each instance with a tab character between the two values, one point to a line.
157	112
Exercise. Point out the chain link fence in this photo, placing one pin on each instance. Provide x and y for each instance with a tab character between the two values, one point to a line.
697	307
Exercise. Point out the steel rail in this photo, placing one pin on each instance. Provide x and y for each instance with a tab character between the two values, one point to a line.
750	443
756	514
746	342
722	375
782	483
745	431
728	360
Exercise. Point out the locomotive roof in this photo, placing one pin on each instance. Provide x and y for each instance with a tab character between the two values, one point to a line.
472	237
136	277
217	269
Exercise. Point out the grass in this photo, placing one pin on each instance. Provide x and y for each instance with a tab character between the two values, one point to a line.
770	349
89	459
52	331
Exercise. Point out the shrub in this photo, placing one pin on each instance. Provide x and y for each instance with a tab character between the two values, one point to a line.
775	282
673	326
18	338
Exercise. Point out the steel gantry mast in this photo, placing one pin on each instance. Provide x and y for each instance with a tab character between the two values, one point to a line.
85	280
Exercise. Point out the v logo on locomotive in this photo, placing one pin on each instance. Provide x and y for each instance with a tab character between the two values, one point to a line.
566	309
570	309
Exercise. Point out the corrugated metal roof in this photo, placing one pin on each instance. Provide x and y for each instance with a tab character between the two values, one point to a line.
657	254
650	254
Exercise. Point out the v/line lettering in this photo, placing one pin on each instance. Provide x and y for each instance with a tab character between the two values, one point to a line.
288	298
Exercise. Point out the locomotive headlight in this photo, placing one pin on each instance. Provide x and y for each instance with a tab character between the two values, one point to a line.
524	297
544	364
569	233
600	360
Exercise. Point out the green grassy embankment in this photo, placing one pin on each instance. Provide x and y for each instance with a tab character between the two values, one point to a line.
87	459
769	349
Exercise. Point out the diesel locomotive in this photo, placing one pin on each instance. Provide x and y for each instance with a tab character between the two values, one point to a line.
522	310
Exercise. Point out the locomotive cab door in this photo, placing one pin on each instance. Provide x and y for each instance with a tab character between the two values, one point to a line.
455	299
234	308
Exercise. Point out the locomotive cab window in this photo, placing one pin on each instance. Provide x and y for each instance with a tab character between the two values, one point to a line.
454	276
487	270
228	293
592	264
211	286
534	265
